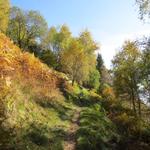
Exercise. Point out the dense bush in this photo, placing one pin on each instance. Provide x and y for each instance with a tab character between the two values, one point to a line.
93	81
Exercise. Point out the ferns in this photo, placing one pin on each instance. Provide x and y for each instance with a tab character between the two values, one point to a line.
96	130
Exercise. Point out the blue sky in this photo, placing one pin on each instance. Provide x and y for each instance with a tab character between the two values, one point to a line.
110	21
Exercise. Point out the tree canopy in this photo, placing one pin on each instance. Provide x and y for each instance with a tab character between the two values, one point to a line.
4	14
144	8
127	73
26	27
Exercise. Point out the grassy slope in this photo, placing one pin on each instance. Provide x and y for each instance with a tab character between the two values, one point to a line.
37	107
34	112
37	104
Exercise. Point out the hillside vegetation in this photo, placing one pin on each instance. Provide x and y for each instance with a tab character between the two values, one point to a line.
40	109
38	103
57	94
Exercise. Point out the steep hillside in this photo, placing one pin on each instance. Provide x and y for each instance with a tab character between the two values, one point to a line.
39	108
32	107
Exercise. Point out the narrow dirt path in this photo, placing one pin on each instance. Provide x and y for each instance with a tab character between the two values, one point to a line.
70	141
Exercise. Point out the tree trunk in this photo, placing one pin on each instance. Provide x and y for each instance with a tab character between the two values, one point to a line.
72	82
139	106
133	102
19	43
134	106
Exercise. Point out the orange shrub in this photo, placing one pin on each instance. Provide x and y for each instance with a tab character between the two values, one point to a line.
108	92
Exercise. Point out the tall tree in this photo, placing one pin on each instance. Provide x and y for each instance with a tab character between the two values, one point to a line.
105	77
50	40
17	26
4	14
127	74
100	63
74	62
25	28
145	70
56	40
100	68
144	8
36	26
88	43
89	46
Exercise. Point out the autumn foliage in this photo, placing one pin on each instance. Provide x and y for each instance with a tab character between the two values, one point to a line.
25	67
